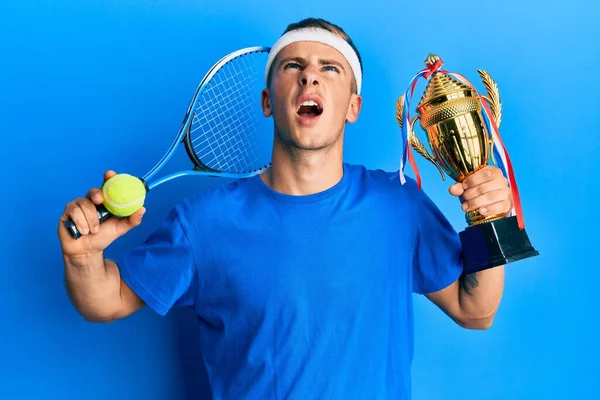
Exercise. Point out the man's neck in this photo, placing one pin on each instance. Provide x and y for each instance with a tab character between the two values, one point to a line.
304	172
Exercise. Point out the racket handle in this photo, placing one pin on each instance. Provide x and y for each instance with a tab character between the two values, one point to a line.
103	215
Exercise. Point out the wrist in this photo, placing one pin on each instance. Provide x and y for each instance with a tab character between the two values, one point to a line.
87	259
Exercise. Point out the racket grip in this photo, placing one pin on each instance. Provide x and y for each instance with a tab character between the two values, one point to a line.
103	215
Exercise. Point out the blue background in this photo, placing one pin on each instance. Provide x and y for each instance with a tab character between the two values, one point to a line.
90	85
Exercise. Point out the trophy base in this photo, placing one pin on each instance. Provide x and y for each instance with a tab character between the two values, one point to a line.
494	243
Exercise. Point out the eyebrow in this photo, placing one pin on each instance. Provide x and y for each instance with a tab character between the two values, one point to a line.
322	61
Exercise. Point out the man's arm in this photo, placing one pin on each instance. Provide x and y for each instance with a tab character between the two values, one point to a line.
93	283
97	290
473	299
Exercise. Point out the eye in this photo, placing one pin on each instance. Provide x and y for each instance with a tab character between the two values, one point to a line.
331	68
292	65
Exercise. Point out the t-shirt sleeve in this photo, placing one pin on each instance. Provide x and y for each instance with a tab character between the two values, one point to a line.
162	270
438	253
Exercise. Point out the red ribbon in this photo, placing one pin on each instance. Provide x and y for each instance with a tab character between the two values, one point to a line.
433	68
413	164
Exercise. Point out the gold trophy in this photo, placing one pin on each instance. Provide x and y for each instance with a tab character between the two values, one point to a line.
450	112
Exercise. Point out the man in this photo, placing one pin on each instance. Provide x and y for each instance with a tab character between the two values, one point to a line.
301	277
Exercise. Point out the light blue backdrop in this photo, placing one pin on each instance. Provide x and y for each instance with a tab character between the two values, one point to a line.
91	85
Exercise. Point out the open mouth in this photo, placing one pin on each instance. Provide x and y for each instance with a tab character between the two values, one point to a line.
309	109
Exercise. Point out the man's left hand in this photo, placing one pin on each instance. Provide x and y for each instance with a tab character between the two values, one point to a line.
486	191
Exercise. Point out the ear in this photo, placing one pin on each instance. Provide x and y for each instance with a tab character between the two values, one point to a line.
354	108
266	102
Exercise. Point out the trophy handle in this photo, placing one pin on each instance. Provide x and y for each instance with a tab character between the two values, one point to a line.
493	96
419	148
493	100
413	140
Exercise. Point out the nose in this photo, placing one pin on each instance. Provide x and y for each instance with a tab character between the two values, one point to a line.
308	77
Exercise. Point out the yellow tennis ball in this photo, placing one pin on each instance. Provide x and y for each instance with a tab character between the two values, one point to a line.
123	194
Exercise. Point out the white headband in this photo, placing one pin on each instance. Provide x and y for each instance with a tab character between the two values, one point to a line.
317	35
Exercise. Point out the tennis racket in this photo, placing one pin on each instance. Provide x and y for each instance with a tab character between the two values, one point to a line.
224	132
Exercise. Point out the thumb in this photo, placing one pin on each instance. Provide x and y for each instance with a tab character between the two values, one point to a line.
456	189
124	225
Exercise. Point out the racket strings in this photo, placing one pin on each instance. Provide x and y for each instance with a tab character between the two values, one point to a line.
224	130
235	94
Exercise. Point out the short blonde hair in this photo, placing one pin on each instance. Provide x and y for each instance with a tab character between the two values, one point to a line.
323	24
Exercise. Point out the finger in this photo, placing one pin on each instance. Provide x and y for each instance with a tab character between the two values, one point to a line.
485	200
74	212
109	174
499	208
91	214
496	184
486	174
95	195
456	189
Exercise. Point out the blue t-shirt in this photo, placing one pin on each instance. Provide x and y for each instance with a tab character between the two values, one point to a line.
301	297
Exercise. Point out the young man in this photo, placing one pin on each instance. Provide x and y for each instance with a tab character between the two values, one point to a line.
302	277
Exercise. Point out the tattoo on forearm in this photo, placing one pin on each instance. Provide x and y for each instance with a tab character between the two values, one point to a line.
468	282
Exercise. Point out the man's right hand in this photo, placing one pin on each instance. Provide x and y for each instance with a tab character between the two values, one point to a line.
95	236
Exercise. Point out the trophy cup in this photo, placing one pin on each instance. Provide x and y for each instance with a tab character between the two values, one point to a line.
452	114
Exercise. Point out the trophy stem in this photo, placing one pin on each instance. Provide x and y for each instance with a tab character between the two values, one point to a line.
475	218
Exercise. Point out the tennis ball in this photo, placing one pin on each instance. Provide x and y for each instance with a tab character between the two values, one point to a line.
123	194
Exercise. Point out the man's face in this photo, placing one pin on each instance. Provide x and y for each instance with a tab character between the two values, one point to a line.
311	95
